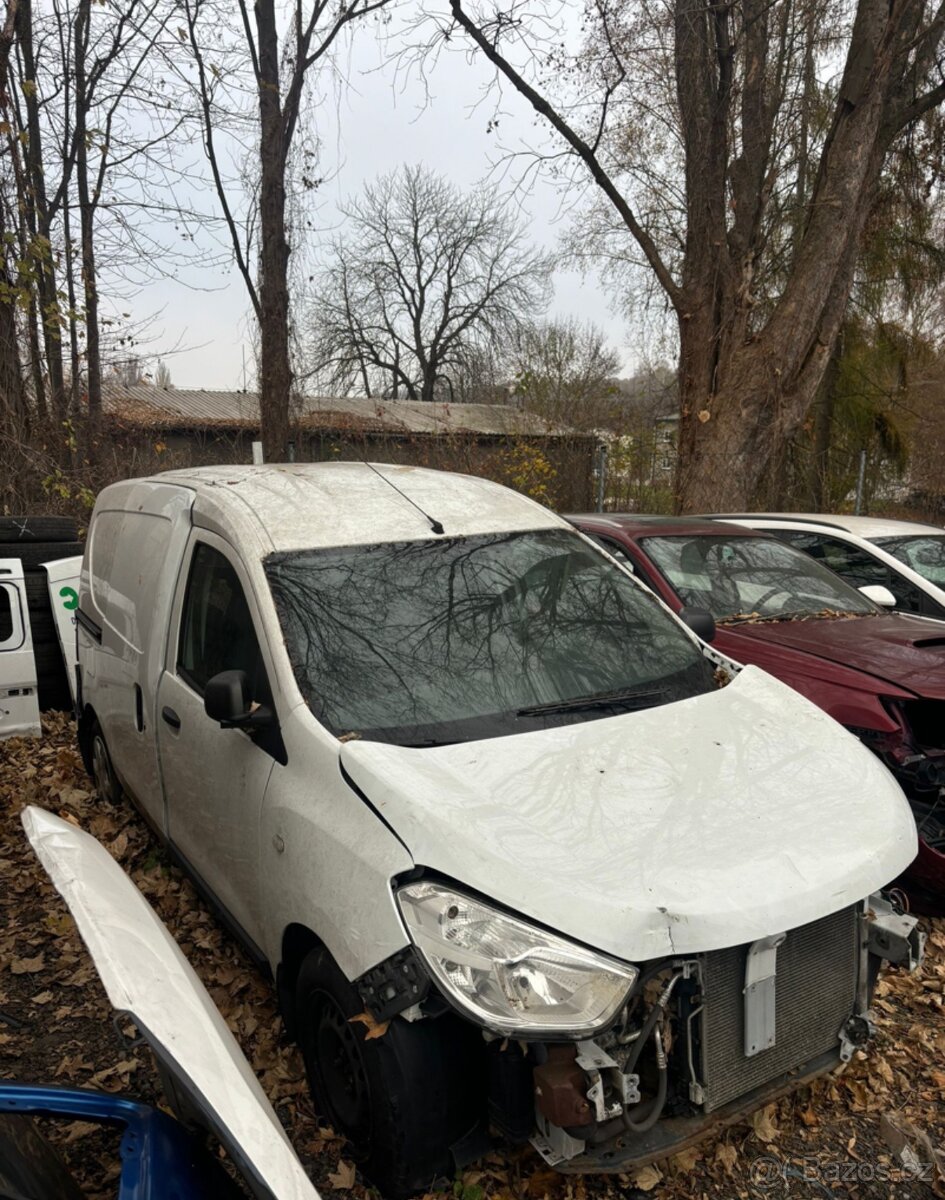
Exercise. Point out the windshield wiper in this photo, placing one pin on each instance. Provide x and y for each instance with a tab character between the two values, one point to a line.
632	699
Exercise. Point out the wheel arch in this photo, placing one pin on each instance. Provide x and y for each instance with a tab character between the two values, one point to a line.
298	941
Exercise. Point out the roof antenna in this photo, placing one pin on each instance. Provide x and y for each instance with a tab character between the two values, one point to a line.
434	524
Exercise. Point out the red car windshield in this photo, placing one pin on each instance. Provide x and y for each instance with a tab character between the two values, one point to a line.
743	577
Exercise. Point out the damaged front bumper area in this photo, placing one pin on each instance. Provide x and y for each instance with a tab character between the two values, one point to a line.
705	1039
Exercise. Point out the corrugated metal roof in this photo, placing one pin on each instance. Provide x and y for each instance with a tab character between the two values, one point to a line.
182	408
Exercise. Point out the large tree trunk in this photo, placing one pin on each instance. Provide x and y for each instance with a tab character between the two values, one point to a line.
745	392
275	373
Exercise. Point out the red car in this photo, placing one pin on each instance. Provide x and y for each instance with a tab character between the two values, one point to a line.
880	674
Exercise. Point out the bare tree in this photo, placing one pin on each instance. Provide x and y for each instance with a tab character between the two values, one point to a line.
565	371
758	310
279	77
424	279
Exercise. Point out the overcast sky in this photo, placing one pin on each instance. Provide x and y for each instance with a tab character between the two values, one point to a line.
376	125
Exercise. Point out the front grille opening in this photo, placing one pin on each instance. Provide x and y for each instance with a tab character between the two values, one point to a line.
815	994
926	719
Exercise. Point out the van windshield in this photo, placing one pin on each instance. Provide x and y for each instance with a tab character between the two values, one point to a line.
422	643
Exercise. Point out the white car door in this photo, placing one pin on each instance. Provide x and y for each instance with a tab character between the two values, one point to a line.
19	702
215	779
63	582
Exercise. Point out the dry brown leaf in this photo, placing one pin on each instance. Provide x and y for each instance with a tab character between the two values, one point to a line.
727	1156
684	1162
763	1124
647	1178
27	966
343	1179
375	1029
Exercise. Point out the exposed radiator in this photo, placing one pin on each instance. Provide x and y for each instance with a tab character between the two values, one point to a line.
816	990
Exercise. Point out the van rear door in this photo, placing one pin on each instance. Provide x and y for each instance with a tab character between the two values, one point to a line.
19	702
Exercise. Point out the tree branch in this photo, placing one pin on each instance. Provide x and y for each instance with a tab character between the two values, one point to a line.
580	148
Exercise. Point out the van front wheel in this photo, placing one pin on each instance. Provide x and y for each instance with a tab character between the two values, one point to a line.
401	1100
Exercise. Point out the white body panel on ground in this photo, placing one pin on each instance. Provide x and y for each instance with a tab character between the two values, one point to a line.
144	973
19	700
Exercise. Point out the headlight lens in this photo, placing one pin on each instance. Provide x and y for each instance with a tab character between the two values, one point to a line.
508	975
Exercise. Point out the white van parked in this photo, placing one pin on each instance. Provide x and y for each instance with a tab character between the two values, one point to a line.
480	802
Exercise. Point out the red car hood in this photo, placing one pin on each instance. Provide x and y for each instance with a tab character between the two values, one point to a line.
905	651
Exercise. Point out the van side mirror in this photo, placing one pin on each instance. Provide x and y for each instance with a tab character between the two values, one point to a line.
878	594
227	698
700	621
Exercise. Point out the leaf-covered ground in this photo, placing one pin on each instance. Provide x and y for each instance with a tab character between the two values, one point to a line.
838	1137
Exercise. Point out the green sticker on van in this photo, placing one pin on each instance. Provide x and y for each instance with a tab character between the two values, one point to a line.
70	598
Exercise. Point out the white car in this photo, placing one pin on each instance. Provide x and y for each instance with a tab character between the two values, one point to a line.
906	557
484	808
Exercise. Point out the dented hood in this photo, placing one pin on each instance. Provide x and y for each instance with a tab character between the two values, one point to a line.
145	974
701	824
907	652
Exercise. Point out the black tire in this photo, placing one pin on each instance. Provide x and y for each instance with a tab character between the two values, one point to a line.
401	1100
103	773
34	554
38	529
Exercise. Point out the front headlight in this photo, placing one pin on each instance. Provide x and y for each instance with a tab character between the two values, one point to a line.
508	975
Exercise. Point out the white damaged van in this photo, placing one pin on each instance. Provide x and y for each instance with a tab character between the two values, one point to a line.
518	853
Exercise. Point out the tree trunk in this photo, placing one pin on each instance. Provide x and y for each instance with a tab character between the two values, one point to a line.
823	432
744	393
46	271
87	217
275	372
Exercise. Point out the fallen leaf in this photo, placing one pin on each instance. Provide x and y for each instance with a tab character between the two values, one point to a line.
762	1121
375	1029
727	1156
27	966
647	1178
342	1180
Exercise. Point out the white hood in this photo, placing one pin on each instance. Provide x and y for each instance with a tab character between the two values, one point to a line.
145	974
696	825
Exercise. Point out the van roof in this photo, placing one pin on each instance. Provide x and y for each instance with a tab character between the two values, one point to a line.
315	505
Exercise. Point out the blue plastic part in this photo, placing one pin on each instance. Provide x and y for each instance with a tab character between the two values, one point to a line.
160	1160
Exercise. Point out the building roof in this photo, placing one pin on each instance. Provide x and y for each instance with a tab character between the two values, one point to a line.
151	407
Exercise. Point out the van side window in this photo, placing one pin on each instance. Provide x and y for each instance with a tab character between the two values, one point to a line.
6	613
216	632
